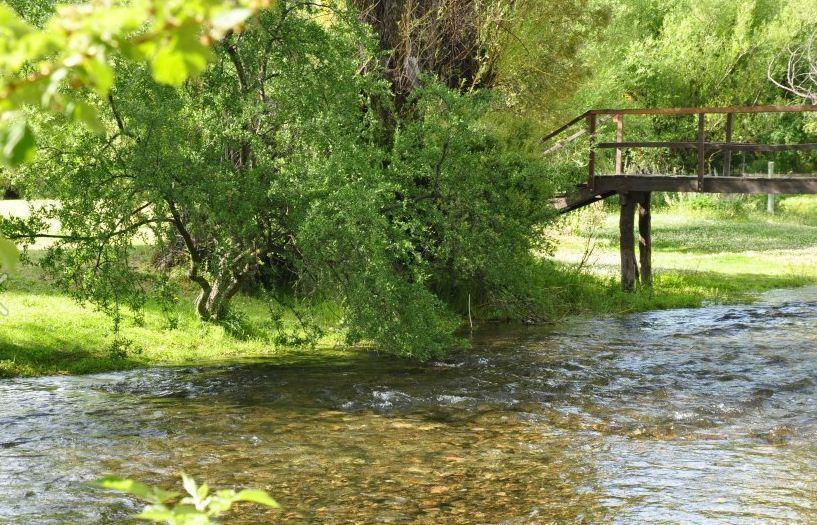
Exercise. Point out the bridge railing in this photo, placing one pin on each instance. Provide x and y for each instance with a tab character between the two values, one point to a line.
701	146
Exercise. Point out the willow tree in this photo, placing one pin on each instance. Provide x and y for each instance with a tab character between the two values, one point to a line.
528	48
272	160
214	163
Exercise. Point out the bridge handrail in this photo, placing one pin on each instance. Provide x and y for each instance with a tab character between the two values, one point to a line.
701	145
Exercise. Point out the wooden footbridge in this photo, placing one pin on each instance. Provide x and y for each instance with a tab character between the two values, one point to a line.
635	189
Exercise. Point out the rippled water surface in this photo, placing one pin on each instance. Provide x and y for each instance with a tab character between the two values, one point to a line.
694	416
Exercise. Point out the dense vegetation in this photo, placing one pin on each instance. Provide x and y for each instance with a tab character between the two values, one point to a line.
383	156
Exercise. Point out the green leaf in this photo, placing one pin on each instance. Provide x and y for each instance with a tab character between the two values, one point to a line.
181	57
11	22
162	496
17	142
100	74
9	256
81	111
202	492
168	67
151	494
257	496
156	513
125	485
189	485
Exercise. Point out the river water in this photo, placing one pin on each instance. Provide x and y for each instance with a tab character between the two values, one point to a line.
693	416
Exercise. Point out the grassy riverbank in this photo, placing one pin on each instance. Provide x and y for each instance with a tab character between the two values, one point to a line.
702	254
704	250
46	332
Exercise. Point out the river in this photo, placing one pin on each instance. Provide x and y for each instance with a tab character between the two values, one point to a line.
695	416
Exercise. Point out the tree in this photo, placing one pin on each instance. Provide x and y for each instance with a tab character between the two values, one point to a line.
800	77
76	47
272	160
200	163
694	54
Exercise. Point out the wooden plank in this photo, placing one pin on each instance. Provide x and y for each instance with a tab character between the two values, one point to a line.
619	120
579	199
647	144
763	148
562	143
573	122
710	110
680	111
710	146
727	154
749	185
591	160
701	150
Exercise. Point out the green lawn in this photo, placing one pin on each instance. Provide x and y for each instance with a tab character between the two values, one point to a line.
46	332
723	255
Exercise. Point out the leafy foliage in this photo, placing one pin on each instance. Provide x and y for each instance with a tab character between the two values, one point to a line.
251	173
9	257
654	53
76	47
197	508
391	165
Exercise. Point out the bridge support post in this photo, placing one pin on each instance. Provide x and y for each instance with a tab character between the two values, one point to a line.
629	266
645	237
630	274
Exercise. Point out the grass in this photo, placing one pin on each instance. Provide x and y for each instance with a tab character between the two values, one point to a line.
46	332
722	251
703	252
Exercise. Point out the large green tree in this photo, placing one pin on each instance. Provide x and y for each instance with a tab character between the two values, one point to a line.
273	161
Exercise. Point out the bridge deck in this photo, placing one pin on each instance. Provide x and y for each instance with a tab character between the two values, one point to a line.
785	185
608	185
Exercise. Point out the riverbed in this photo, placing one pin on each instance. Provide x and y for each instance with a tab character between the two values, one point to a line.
697	416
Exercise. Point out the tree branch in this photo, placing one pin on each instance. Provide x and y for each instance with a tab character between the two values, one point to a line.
236	60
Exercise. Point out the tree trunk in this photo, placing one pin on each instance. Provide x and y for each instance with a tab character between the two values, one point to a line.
629	266
645	237
431	36
212	305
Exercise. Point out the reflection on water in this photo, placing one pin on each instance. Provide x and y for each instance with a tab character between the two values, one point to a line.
678	416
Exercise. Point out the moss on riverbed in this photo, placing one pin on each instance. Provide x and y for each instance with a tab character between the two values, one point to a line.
700	256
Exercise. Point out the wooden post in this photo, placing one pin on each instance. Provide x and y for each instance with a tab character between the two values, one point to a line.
645	237
770	196
727	153
619	120
629	266
701	150
591	161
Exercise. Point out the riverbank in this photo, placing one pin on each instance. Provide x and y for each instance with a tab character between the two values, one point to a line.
47	332
704	250
701	256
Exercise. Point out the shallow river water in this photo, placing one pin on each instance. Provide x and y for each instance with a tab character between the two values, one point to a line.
682	416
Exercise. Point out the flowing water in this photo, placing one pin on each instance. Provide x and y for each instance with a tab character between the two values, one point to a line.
693	416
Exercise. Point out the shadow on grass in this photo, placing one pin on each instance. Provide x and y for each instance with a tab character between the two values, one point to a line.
45	358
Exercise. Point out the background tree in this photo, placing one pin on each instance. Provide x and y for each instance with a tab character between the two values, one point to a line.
800	64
